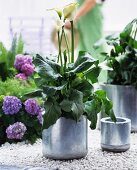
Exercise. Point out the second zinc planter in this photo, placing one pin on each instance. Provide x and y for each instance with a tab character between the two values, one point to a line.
115	137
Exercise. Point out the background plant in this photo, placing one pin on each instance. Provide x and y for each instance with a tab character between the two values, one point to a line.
7	57
16	115
122	57
15	87
66	85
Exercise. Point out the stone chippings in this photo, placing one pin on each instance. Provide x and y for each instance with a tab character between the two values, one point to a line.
30	157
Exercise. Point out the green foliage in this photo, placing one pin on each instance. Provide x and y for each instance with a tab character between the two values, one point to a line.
7	57
123	56
70	94
13	87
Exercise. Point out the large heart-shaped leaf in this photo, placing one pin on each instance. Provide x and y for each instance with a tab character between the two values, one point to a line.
92	74
44	67
74	104
52	113
92	108
83	62
35	93
51	90
84	86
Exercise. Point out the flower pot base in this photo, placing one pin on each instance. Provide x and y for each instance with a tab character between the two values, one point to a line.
66	157
119	148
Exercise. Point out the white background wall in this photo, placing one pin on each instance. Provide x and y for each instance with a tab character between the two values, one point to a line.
117	13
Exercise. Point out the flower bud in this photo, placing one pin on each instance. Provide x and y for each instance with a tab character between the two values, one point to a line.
69	9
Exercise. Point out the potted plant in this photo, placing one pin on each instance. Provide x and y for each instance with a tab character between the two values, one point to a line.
122	79
66	86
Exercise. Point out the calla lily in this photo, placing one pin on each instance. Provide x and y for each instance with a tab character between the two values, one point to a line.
59	25
68	10
57	10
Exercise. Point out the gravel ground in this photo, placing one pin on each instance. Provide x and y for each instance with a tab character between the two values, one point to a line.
30	156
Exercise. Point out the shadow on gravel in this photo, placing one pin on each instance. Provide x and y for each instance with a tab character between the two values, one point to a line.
4	167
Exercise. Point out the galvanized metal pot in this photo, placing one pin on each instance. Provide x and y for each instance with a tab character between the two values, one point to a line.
124	100
66	139
115	137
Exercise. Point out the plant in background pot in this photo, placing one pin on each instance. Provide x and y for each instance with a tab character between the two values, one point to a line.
66	87
122	79
7	57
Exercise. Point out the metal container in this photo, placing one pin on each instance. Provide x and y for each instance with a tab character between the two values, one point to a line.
124	100
115	137
66	139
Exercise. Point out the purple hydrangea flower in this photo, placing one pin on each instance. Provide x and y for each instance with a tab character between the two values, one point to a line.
16	131
32	107
21	59
21	76
27	69
40	117
11	105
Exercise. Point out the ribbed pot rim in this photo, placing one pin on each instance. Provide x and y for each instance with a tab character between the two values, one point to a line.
120	120
106	84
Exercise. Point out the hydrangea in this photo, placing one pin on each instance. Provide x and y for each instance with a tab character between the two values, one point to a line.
32	107
16	131
27	69
40	117
11	105
20	60
21	76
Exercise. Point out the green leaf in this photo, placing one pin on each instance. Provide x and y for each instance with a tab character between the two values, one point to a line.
82	57
92	74
40	81
127	30
105	66
101	94
47	68
51	90
3	53
35	93
20	45
92	108
107	104
66	105
12	53
83	62
84	86
52	113
74	104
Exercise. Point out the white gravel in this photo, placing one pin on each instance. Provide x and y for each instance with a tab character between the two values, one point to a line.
23	155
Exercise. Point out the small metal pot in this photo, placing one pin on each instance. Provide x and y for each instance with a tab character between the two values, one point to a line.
115	137
124	100
66	139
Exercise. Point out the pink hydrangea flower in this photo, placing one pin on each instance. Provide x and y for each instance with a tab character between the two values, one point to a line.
21	59
21	76
27	69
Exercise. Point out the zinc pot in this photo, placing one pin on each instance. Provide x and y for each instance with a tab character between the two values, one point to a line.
124	100
66	139
115	137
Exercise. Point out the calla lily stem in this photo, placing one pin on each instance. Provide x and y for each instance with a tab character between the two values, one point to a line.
72	42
